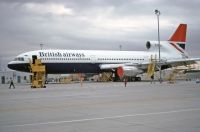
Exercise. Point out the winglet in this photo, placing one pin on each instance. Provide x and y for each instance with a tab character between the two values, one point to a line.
180	34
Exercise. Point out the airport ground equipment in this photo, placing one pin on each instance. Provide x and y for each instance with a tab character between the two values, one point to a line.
172	76
106	77
38	71
177	71
65	80
151	66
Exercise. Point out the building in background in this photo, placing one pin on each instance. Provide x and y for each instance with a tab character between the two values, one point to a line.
18	77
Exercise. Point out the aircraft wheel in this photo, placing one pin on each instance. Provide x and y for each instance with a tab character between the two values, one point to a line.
139	79
133	79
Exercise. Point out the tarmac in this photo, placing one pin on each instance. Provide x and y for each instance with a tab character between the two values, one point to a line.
101	107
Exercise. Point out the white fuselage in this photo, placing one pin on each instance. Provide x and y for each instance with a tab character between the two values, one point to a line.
91	61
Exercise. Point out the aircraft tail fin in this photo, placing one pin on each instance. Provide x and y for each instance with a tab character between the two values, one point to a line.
179	36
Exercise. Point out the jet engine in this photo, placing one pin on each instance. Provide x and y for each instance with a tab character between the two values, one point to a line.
130	71
152	45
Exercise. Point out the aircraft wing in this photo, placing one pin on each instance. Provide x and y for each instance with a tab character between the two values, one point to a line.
144	65
180	62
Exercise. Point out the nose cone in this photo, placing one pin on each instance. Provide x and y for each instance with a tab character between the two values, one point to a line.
11	66
24	67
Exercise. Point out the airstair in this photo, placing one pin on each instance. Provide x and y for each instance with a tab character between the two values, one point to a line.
38	73
151	66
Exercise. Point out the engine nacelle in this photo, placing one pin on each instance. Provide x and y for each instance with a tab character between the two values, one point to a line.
152	45
128	71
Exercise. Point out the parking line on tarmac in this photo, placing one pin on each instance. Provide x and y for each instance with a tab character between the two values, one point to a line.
104	118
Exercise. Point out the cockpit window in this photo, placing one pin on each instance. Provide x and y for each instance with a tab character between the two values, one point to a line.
19	59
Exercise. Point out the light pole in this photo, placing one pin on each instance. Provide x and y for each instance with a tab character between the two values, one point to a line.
0	63
41	46
120	47
157	12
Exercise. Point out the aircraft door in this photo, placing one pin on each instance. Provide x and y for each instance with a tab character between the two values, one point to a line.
34	57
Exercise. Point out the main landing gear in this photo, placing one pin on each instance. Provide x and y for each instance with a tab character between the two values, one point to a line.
116	78
134	79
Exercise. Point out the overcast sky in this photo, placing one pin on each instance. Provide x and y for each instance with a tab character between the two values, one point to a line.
93	24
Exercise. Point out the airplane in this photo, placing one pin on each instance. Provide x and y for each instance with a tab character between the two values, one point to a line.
120	63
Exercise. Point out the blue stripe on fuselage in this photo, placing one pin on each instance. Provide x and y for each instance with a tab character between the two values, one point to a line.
54	68
62	68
